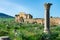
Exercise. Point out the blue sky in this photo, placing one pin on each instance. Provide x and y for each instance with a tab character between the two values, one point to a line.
33	7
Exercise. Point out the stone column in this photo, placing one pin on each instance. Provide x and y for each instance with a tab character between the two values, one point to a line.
47	17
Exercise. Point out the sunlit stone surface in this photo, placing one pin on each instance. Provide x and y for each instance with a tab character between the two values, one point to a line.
4	38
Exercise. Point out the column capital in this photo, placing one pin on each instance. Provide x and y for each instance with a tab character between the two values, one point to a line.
47	5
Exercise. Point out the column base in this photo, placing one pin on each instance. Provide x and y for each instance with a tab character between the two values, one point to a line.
46	31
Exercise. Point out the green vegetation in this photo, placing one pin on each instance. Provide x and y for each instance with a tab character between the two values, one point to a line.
23	31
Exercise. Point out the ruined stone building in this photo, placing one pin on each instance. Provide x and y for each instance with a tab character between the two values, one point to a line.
22	16
28	18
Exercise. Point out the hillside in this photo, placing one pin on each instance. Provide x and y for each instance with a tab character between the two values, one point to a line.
2	15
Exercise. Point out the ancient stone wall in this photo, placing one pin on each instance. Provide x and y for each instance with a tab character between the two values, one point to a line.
28	19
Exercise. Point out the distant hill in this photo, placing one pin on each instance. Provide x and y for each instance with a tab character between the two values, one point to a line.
2	15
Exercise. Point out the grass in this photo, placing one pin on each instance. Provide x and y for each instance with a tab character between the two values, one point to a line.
26	31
